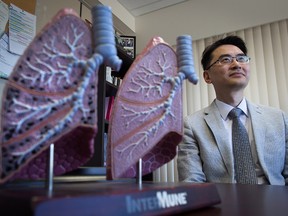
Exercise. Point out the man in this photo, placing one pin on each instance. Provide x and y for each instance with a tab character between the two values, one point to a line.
206	153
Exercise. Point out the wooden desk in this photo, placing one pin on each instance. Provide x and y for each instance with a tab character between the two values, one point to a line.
236	200
101	197
248	200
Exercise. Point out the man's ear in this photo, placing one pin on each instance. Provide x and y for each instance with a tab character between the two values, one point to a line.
206	77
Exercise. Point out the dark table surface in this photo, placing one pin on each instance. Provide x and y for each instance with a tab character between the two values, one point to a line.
248	200
236	199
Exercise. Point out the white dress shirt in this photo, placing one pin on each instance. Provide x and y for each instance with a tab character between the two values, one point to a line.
224	110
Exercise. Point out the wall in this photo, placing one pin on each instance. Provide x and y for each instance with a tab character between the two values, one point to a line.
204	18
45	10
124	22
199	18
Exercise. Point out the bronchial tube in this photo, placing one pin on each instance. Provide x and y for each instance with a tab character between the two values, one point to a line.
103	34
185	58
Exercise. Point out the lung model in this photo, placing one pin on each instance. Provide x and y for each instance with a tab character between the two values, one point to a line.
51	96
146	120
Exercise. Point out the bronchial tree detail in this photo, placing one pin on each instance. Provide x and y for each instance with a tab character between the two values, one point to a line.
145	73
150	82
46	75
49	77
52	96
147	115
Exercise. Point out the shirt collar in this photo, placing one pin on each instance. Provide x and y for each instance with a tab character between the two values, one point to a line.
224	108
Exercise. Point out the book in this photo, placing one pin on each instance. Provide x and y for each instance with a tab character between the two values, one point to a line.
106	105
108	74
109	107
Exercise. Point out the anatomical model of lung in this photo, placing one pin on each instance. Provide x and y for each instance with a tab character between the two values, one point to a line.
51	96
146	119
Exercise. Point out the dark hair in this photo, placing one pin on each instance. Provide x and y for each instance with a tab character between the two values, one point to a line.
233	40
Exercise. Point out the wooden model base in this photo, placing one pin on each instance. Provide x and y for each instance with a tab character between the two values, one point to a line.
123	197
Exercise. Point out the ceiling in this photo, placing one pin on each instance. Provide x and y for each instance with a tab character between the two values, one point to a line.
141	7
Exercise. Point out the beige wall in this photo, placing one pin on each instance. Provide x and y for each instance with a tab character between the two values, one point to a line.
204	18
123	20
199	18
45	10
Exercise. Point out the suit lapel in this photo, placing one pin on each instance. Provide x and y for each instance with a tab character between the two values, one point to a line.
214	122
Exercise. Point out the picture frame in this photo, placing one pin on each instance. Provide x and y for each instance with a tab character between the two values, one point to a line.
128	44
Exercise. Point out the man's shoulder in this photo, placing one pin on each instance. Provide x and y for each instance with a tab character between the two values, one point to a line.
264	108
268	113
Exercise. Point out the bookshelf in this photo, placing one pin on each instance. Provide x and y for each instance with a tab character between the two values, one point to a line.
95	166
106	89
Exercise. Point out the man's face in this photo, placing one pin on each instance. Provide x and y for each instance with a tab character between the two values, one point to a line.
231	76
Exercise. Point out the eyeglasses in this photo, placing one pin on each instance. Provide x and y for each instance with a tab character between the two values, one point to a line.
224	60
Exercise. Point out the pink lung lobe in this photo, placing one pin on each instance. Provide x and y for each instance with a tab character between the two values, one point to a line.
41	103
146	120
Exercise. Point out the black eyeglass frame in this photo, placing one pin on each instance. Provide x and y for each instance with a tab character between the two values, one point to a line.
235	57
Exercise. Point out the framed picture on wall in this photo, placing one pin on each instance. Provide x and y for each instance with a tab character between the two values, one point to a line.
128	43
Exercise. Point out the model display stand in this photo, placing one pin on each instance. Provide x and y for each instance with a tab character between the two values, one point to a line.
106	198
126	194
117	197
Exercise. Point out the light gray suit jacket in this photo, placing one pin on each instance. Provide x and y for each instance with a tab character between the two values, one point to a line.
204	156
